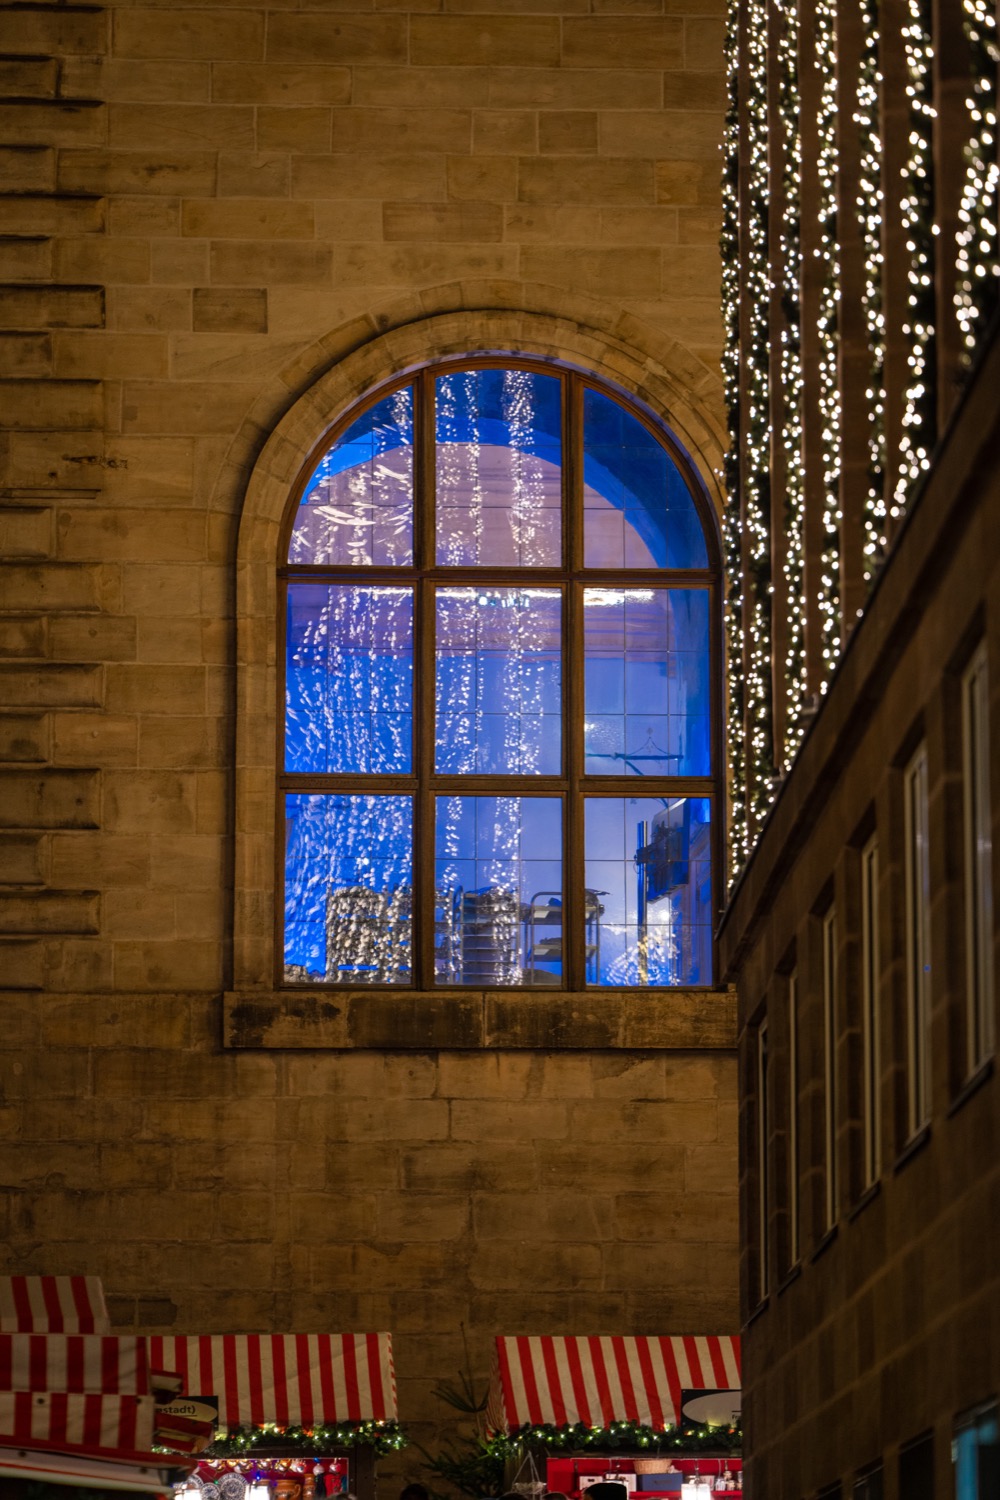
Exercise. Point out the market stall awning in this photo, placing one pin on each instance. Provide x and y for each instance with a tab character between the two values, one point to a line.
155	1472
561	1379
52	1304
290	1379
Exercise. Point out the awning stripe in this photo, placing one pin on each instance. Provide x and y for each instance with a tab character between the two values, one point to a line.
80	1363
92	1421
597	1380
52	1304
289	1379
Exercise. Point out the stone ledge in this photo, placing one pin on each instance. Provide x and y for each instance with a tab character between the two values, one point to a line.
616	1020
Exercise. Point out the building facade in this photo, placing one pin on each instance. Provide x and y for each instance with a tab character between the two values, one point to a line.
224	227
861	265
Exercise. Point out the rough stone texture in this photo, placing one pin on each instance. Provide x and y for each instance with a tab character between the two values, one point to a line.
220	226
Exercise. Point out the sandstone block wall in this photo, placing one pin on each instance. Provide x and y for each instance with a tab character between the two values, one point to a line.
204	208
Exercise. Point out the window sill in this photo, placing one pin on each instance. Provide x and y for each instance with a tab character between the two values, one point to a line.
464	1020
758	1311
971	1086
868	1196
790	1278
824	1244
912	1148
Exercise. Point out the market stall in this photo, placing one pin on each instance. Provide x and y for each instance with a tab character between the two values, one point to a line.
652	1416
293	1416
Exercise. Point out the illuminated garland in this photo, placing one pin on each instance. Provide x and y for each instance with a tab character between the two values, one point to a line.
790	274
870	201
756	509
917	210
978	263
732	533
828	252
384	1437
692	1437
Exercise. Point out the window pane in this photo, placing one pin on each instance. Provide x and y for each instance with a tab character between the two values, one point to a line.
358	505
349	681
498	890
637	509
348	880
646	675
499	681
649	866
499	481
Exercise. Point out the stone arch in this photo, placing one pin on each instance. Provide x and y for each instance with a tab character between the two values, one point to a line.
331	375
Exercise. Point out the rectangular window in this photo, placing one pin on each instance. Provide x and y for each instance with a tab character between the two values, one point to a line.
916	1469
793	1119
830	1063
975	1454
868	1485
870	969
763	1133
918	953
978	861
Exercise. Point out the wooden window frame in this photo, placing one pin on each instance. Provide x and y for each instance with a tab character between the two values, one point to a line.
829	970
916	864
871	1066
573	785
980	1024
763	1115
794	1242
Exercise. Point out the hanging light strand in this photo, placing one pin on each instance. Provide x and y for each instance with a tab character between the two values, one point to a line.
978	254
828	253
870	206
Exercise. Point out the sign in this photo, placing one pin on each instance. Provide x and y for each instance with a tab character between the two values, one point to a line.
194	1408
716	1408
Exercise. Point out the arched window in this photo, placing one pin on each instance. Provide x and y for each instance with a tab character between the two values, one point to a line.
501	746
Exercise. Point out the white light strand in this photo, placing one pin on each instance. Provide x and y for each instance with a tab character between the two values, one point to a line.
790	273
870	205
735	695
757	431
828	253
978	258
917	212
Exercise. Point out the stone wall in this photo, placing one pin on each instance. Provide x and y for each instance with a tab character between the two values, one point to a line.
206	210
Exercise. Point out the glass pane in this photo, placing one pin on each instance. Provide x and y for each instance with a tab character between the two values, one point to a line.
499	681
637	509
499	454
349	678
498	890
358	505
649	872
347	889
646	682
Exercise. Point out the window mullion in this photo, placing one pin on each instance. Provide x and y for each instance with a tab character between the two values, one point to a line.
574	936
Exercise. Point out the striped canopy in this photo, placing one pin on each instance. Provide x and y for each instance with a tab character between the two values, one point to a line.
290	1379
561	1379
52	1304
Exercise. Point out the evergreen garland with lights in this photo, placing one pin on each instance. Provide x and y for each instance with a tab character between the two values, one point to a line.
917	210
621	1437
870	205
245	1442
828	253
978	260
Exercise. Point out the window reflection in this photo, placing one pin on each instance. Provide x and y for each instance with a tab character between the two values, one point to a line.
637	509
349	678
499	478
498	685
348	884
357	508
498	890
646	682
648	862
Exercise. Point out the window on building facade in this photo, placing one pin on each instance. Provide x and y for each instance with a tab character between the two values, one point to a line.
975	1453
763	1152
916	1468
830	1065
500	608
870	1015
918	954
868	1484
793	1118
978	861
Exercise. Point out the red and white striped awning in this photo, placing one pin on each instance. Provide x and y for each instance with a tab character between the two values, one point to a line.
100	1422
78	1362
560	1379
52	1304
290	1379
153	1472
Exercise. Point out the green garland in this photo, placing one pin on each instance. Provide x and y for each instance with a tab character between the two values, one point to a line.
690	1437
243	1442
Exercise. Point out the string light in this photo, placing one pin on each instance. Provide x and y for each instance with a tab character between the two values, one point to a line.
978	261
828	253
917	211
870	205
